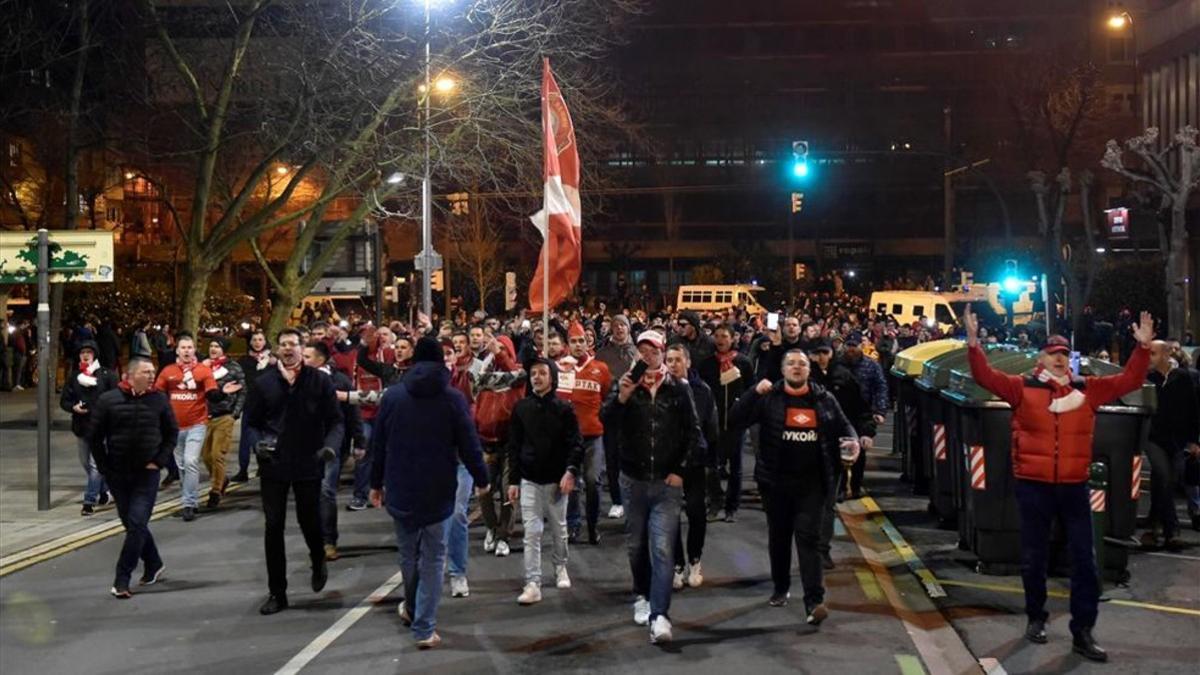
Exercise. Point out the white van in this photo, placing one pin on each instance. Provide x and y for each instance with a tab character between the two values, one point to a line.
909	306
716	298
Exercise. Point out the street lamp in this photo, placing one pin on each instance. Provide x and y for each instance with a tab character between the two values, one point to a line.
428	260
1118	21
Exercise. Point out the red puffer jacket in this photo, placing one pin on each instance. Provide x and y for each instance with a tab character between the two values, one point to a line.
497	391
1055	447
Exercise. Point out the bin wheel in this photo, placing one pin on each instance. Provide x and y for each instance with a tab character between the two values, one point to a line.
963	545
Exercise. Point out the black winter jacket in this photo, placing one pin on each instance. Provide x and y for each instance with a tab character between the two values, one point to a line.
304	418
706	414
840	382
770	411
73	392
543	437
223	404
130	431
726	395
656	435
1176	420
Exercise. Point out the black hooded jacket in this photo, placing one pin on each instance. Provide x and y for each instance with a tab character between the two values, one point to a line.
543	437
702	347
657	434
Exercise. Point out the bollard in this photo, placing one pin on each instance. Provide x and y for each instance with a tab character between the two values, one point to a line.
1098	485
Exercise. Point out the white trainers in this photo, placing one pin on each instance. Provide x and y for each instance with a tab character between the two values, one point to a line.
677	579
459	588
489	542
530	595
641	611
695	575
617	511
502	549
660	630
560	577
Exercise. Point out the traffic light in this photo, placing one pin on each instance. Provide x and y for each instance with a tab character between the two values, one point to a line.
797	202
460	203
1011	281
800	159
436	281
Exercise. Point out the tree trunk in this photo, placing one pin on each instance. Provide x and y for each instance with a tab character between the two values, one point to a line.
196	276
1176	272
281	309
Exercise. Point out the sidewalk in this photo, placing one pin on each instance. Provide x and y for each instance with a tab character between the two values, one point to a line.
23	529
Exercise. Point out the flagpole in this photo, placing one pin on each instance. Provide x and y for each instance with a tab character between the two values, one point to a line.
546	290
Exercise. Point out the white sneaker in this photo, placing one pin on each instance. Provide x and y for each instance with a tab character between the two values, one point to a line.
459	588
560	577
530	595
677	579
695	575
502	549
617	511
641	611
489	542
660	631
18	388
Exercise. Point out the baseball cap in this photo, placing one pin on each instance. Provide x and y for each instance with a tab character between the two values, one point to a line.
854	338
822	345
1057	344
653	337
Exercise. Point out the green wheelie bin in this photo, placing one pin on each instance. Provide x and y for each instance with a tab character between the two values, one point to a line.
908	366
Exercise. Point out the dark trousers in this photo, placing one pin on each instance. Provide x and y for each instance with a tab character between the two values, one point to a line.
830	513
135	495
857	471
493	457
1039	505
587	483
694	489
794	513
1163	480
246	441
729	449
612	467
274	500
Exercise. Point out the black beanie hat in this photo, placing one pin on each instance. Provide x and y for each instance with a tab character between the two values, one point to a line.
427	349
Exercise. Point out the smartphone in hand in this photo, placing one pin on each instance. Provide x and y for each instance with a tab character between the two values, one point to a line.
639	369
773	321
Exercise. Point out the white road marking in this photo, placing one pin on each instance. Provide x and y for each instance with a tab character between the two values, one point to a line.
343	624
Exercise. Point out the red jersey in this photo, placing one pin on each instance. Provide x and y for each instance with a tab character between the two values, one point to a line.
585	385
185	388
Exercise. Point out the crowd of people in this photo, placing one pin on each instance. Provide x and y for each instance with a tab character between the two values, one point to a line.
653	411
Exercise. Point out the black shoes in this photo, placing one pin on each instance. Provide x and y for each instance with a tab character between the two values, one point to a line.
87	510
1085	645
593	537
573	535
320	574
239	477
1035	632
189	514
104	498
274	604
169	480
121	592
779	600
826	560
214	500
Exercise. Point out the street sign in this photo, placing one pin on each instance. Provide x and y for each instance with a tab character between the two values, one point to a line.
75	256
1118	223
419	261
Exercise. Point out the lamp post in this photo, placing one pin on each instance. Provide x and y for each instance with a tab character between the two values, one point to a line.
1118	22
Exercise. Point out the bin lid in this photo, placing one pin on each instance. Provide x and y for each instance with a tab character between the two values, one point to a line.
937	370
910	362
962	388
1140	401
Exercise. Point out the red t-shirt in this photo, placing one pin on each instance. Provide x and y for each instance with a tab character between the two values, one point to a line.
186	392
585	386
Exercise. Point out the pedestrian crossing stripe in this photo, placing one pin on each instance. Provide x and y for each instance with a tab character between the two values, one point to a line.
1098	501
939	442
1135	490
978	467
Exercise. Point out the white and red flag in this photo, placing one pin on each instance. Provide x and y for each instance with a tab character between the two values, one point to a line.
559	221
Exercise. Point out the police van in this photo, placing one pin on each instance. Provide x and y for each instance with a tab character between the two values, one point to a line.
712	298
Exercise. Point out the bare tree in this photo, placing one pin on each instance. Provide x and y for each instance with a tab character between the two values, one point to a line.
476	245
1173	173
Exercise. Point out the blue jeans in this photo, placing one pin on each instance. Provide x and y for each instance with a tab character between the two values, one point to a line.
456	524
329	489
95	482
362	468
1039	504
187	458
651	525
135	495
422	555
246	441
593	453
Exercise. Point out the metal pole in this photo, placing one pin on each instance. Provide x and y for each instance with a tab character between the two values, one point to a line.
947	208
791	261
546	289
427	197
44	385
376	267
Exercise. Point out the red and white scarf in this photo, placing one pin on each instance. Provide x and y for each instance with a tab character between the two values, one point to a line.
189	380
263	358
289	373
1063	397
653	379
725	360
218	367
87	373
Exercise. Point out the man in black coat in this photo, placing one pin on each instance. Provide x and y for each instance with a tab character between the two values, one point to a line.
317	355
799	457
727	374
695	476
79	395
1174	435
837	379
132	436
294	411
